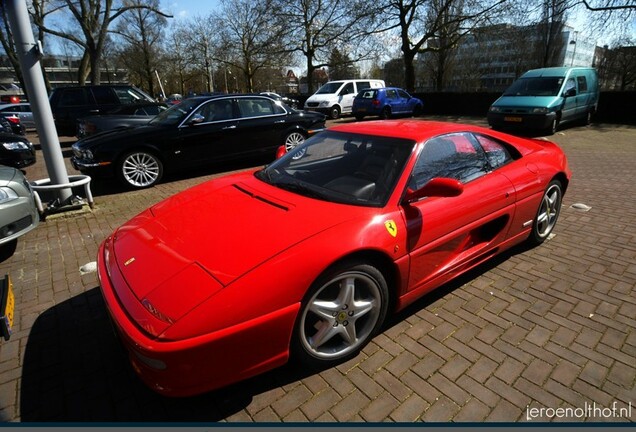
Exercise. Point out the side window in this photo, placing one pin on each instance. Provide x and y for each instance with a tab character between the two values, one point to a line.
362	85
403	94
105	96
73	97
391	94
496	153
452	156
216	110
258	107
582	84
570	84
348	89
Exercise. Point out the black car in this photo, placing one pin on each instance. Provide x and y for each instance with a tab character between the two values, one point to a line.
70	103
15	125
196	132
16	151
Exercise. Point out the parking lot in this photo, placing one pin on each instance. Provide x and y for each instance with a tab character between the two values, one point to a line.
517	339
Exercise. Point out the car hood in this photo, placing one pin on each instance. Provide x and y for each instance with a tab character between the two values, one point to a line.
122	134
526	101
226	227
6	175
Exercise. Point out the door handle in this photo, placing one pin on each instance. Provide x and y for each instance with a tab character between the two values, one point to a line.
279	121
229	127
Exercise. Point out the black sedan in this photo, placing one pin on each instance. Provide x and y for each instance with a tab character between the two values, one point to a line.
196	132
16	151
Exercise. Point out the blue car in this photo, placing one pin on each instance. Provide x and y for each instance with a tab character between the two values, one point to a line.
385	102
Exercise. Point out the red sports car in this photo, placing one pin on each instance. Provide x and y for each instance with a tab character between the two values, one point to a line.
306	256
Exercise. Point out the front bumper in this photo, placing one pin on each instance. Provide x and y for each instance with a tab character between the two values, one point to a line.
92	168
200	364
18	159
18	218
520	121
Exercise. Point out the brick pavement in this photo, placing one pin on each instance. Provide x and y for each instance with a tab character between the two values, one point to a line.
552	327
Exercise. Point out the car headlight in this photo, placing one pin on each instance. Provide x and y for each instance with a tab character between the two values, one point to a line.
7	194
87	154
540	110
495	109
17	145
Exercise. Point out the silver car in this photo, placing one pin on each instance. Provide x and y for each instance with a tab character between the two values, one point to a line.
18	213
22	110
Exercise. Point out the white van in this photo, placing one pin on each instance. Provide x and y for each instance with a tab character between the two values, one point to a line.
336	97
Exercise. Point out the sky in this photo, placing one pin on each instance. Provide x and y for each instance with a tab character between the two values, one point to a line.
183	9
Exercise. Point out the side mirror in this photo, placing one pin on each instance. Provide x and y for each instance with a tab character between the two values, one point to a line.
570	92
196	119
437	187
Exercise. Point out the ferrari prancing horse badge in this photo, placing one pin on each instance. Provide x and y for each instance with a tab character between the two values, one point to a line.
391	227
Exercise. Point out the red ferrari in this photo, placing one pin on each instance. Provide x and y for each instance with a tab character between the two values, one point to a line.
307	256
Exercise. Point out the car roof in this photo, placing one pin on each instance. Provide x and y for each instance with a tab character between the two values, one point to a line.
414	130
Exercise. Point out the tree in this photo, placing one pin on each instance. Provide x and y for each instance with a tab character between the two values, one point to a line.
341	66
6	39
248	40
141	31
314	27
551	45
421	21
92	19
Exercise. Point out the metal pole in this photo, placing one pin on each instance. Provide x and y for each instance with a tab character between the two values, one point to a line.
29	54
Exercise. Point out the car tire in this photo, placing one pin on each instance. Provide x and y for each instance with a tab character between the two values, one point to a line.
140	169
417	111
359	117
342	311
8	249
547	213
385	113
334	112
554	125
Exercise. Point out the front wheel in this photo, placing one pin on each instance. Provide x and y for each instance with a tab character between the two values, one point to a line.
334	112
343	310
140	169
547	214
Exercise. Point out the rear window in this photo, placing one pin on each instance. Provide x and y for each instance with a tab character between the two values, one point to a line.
367	94
130	95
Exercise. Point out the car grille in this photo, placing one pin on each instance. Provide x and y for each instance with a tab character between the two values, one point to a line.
312	104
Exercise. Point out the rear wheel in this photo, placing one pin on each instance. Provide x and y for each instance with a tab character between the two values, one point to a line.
359	117
343	310
140	169
547	214
386	113
417	111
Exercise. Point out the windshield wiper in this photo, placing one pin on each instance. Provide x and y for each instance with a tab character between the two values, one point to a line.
300	189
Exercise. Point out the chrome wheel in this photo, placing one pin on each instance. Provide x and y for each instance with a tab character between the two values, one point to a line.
293	140
141	169
548	213
343	314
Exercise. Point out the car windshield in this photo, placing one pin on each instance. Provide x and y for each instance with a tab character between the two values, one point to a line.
176	113
329	88
539	86
342	167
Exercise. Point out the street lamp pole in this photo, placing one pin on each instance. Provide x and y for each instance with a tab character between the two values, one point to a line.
29	54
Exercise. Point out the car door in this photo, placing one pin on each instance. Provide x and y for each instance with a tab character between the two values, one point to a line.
209	134
448	234
392	100
26	116
346	96
262	125
568	112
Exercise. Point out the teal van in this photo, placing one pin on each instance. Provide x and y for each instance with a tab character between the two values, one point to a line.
545	98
